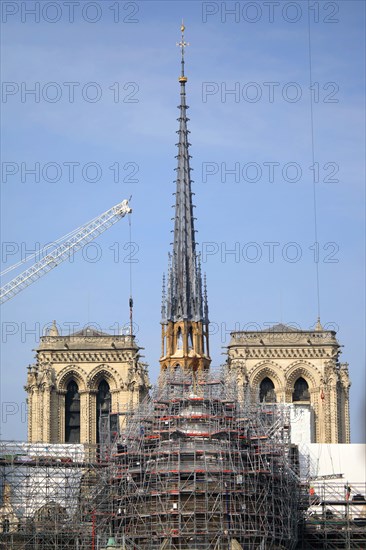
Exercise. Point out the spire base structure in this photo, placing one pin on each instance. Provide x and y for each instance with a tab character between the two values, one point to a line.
185	346
184	337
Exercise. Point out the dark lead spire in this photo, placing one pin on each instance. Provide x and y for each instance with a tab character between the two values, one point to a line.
184	299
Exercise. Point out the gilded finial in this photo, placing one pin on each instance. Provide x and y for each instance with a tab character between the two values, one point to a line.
182	44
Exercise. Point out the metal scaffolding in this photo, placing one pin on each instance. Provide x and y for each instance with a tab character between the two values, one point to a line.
335	517
196	469
193	469
48	496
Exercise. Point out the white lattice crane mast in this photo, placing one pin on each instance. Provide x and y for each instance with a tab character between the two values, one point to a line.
75	241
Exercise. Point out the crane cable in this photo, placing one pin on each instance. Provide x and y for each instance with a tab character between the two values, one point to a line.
316	244
130	260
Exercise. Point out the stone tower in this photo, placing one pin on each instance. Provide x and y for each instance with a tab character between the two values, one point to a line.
77	378
184	307
300	368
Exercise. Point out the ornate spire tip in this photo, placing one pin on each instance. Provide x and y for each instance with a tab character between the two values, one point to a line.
182	44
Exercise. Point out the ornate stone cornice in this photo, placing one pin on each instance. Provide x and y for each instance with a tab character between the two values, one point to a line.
295	338
89	357
82	342
280	352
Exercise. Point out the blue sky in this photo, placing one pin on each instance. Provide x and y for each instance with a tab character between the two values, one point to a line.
248	52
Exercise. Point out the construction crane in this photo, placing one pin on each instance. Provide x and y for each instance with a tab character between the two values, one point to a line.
67	246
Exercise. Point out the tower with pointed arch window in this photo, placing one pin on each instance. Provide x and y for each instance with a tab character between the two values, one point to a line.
79	377
300	368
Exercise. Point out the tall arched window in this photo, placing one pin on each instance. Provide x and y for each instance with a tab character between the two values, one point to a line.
103	404
72	413
267	392
179	339
190	339
301	390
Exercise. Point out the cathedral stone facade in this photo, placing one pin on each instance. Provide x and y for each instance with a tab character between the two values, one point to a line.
285	365
78	377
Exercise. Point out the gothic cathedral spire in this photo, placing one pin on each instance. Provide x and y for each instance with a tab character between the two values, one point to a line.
184	308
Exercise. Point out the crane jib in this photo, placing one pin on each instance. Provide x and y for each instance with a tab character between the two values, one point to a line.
75	241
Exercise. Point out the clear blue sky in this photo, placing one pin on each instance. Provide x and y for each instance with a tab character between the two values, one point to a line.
260	54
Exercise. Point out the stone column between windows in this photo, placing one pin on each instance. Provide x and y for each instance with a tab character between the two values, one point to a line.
333	413
61	394
46	436
30	410
84	416
54	416
347	416
35	415
314	415
281	394
91	425
317	404
40	425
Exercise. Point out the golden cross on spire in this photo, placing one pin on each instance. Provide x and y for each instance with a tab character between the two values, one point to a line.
182	44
